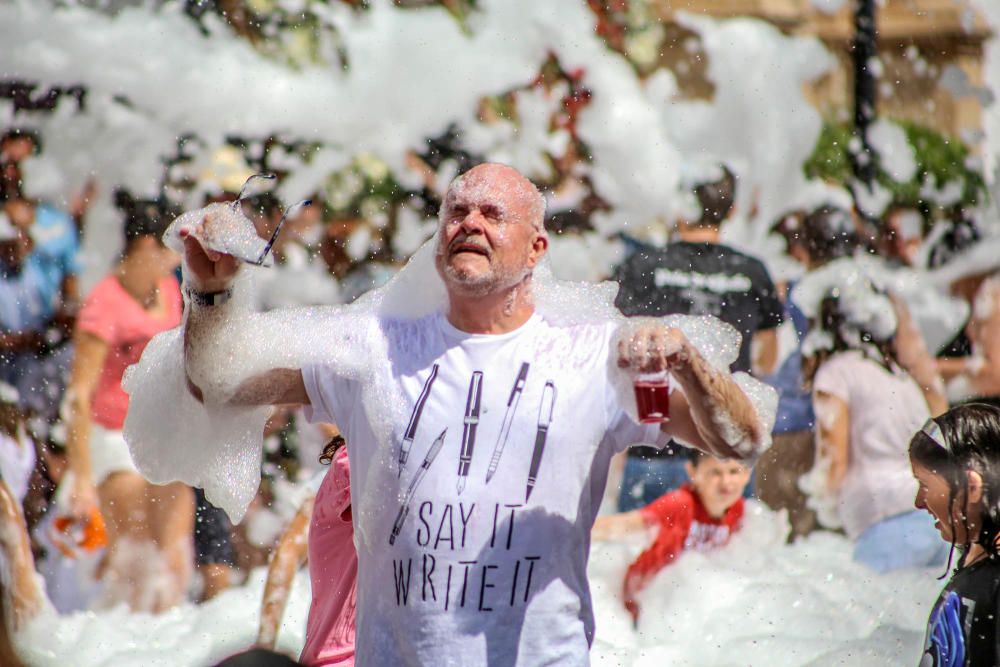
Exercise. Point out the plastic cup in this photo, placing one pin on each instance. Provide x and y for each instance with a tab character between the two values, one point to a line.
652	398
71	536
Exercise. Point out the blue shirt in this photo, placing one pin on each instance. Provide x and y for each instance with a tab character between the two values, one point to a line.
58	245
26	303
795	412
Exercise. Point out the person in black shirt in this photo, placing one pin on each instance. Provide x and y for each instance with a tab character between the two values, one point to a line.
956	460
697	275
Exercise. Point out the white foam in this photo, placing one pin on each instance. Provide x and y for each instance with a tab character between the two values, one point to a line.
756	601
894	151
938	316
638	132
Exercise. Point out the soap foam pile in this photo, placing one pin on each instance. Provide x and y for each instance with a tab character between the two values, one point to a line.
757	601
638	132
938	316
761	602
219	449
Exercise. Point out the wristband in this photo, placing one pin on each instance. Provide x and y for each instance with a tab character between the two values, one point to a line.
209	299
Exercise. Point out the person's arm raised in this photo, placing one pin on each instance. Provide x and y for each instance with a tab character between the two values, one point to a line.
712	413
210	276
617	526
291	552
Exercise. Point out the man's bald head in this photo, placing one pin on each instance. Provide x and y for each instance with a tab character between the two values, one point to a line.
492	233
499	183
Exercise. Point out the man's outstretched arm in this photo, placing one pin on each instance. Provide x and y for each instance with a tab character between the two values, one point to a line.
210	273
711	412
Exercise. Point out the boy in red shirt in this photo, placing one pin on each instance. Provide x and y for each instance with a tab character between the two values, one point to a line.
701	515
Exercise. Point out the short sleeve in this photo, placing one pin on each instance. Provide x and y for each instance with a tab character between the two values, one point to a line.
668	544
71	257
326	391
771	309
99	314
64	243
664	510
832	378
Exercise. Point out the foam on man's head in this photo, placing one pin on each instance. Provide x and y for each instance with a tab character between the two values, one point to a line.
491	181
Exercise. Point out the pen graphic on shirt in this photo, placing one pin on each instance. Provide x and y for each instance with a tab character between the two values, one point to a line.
472	405
411	428
508	419
545	411
404	507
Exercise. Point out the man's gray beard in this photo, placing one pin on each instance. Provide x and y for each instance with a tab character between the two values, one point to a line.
487	283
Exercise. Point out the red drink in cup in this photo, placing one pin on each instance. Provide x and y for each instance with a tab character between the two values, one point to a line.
652	398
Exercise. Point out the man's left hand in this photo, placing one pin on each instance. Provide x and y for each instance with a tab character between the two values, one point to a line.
653	348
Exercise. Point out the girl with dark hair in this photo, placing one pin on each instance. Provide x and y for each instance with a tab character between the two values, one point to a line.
322	531
149	526
866	406
956	461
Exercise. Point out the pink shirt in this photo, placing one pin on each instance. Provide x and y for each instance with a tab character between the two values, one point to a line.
111	314
333	571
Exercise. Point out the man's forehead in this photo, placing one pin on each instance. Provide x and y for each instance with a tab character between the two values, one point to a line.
476	190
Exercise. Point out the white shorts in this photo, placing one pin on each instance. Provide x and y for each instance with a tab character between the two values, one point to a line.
108	453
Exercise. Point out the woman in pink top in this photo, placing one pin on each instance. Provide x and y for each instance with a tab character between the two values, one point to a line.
149	527
333	569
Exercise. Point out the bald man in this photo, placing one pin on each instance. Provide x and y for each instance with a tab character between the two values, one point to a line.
472	525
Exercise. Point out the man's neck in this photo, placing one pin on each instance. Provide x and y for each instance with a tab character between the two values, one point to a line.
498	313
704	234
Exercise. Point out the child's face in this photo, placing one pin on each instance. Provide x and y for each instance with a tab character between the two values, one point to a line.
934	496
719	482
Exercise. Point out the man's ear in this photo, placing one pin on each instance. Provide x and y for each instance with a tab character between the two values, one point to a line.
975	486
539	246
689	469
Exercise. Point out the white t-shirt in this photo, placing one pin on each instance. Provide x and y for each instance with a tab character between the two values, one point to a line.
886	409
491	573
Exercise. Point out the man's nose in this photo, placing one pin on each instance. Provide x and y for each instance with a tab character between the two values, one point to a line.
474	221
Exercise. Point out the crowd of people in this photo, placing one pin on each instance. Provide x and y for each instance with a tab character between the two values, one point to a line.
876	436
